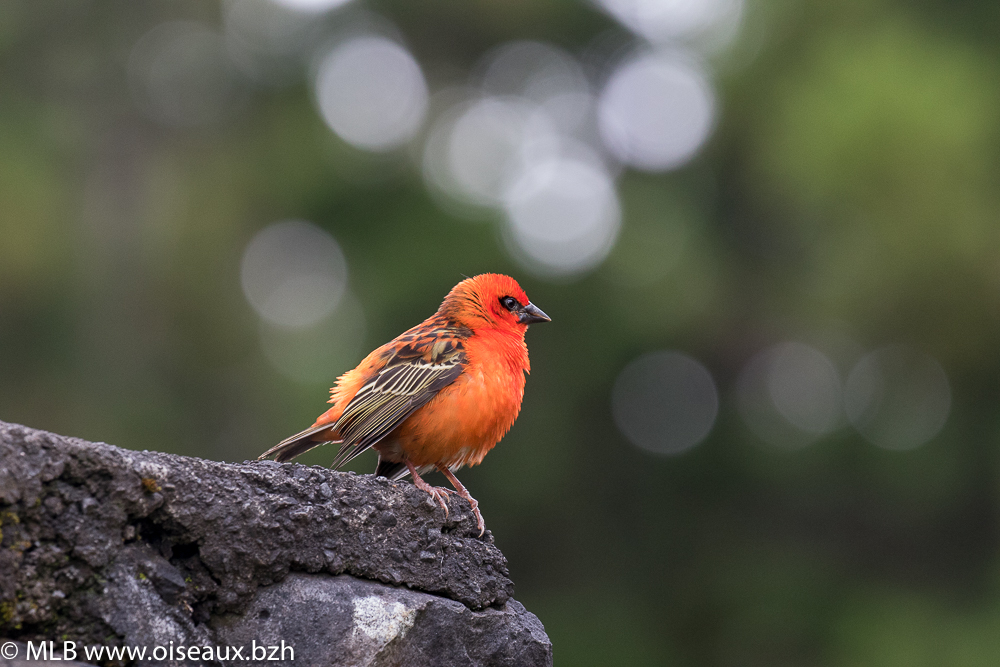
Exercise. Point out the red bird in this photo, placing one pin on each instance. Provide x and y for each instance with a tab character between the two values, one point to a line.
440	395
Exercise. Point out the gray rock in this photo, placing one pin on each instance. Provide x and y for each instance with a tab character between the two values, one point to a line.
112	547
348	621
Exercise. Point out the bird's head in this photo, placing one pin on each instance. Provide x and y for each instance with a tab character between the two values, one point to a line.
491	300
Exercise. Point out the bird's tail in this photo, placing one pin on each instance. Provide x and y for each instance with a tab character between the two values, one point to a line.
300	443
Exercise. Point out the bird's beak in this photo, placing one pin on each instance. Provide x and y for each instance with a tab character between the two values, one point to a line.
531	314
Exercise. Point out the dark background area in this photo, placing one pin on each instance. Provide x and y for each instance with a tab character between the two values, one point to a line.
823	268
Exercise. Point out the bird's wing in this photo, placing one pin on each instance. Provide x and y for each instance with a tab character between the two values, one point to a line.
413	375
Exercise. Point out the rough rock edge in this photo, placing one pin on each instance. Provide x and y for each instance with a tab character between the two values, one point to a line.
212	533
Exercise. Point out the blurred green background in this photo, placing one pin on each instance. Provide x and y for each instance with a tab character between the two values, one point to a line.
804	472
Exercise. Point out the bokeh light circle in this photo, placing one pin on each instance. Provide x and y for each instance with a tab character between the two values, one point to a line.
897	398
489	145
790	395
371	92
656	111
293	273
564	216
311	6
805	387
665	402
544	74
666	20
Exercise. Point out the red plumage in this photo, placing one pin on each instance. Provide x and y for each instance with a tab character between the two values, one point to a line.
440	395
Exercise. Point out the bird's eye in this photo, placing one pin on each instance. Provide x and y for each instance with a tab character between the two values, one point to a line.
509	302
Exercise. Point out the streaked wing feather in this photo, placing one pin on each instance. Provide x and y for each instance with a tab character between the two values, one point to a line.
407	383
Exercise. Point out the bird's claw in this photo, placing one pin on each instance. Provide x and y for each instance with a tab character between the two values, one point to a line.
479	519
462	492
474	504
440	495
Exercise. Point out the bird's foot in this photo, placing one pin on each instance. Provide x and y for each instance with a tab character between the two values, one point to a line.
462	492
436	492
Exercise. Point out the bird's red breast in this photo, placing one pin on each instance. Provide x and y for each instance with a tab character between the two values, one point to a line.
468	417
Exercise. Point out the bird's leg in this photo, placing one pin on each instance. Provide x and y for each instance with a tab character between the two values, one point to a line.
463	492
436	493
